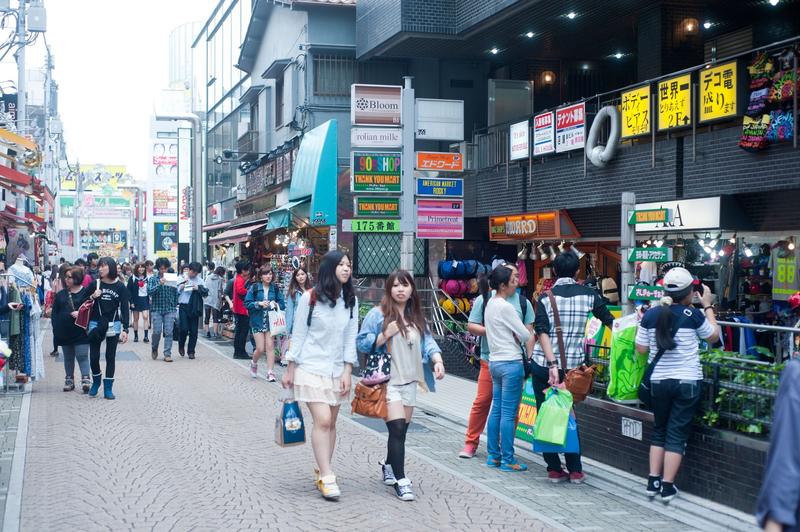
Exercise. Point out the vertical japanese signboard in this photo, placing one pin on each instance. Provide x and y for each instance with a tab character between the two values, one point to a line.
438	218
571	127
544	141
184	184
636	119
718	92
675	102
376	172
519	140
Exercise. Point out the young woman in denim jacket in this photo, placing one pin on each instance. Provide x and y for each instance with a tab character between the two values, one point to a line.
261	298
399	324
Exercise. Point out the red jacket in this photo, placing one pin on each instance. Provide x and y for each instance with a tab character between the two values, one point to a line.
239	293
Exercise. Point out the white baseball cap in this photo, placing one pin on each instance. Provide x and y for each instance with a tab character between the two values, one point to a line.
678	279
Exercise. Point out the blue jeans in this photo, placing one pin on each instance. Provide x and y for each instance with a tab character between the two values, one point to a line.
507	378
163	322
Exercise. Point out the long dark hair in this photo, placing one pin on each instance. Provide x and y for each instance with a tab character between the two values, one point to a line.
328	286
666	319
295	287
112	267
500	275
412	315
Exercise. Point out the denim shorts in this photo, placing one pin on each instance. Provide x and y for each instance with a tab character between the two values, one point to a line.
675	403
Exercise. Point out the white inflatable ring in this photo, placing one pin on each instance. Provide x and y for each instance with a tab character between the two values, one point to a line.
600	155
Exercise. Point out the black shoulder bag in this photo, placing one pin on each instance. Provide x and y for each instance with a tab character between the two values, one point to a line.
646	386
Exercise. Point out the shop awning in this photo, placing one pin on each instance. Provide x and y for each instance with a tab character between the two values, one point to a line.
315	174
14	177
235	235
214	227
281	218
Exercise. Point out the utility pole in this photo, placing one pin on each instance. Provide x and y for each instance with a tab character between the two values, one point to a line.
407	214
21	85
76	209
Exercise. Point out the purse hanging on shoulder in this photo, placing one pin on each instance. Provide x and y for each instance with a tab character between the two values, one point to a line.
577	380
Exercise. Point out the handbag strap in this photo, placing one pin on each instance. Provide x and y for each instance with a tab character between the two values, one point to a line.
559	332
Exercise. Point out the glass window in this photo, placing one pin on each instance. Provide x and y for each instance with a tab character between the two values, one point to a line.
279	102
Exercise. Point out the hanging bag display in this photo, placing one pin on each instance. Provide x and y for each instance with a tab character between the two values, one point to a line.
290	430
577	380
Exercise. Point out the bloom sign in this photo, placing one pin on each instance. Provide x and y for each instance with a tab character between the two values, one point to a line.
375	105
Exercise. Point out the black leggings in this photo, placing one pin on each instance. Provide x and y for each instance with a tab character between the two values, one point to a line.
111	356
396	446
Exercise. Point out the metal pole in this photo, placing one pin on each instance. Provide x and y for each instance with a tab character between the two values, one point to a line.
21	85
76	207
407	215
142	249
627	243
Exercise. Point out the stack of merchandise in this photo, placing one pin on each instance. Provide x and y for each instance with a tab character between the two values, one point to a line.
459	281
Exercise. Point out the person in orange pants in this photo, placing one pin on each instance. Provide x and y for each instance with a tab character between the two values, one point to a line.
483	399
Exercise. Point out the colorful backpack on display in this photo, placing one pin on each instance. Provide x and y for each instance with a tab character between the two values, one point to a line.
451	287
447	269
761	69
470	269
783	85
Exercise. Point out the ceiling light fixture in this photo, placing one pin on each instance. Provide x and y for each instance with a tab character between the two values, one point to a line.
530	35
494	51
618	55
774	2
571	15
707	24
585	67
790	246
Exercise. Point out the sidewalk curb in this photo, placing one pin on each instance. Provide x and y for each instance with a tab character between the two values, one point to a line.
690	509
13	512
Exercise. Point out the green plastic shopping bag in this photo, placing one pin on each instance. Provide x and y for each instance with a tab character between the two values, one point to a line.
553	418
626	365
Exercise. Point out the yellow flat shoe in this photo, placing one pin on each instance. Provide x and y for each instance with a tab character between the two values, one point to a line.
328	487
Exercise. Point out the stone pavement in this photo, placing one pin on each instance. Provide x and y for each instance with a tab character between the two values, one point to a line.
189	446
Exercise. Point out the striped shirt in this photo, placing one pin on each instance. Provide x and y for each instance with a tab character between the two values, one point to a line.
683	362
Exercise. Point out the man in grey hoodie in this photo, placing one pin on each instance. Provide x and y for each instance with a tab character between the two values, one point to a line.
215	283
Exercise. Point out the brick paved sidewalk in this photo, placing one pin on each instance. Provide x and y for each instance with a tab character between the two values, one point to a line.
189	446
10	406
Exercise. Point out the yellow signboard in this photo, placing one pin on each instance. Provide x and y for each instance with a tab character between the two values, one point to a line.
635	109
718	92
675	102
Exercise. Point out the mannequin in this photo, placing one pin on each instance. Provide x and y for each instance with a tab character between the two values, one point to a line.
22	274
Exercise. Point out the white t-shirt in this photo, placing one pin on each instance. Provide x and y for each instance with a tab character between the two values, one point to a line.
502	323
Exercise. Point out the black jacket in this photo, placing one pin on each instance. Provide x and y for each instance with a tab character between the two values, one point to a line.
64	329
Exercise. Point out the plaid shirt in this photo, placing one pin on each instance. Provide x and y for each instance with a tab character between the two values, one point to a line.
163	298
575	302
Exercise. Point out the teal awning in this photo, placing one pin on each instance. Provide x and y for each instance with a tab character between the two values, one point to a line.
315	173
281	217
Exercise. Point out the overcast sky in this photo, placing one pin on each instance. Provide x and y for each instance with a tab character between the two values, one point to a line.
110	63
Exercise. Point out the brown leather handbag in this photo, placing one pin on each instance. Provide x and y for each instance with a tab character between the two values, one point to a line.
370	401
577	380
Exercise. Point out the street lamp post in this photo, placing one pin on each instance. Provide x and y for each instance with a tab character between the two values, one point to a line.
196	239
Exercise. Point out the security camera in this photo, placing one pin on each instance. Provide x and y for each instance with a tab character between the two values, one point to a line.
228	154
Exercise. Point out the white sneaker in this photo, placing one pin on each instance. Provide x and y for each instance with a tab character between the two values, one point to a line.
254	370
388	474
403	490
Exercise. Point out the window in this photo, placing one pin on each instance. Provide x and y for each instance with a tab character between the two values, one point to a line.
378	254
167	135
333	75
279	102
253	117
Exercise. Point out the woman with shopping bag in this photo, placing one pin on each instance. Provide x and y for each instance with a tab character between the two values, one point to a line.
321	358
265	304
395	333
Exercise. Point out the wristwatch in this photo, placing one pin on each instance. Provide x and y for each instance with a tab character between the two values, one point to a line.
552	364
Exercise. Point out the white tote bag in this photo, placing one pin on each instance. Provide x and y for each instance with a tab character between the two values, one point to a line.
277	322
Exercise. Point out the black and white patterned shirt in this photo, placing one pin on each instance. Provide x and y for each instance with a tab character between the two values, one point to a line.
575	302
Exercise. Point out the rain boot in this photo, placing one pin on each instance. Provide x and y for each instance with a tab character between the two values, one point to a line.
96	381
108	384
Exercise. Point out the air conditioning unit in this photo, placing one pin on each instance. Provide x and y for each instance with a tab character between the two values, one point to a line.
36	19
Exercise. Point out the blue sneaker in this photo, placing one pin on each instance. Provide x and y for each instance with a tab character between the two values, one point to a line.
493	462
513	466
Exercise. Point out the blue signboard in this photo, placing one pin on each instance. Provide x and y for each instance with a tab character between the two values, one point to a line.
440	187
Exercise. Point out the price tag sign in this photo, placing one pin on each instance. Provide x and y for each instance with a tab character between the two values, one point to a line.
675	102
718	92
635	108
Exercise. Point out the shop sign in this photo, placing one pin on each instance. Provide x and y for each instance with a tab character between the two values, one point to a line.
675	102
165	201
376	172
523	226
440	188
440	161
650	255
703	213
8	105
184	184
375	105
519	140
376	137
370	226
718	92
571	127
440	218
650	216
543	134
636	112
631	428
375	206
439	119
526	414
644	292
